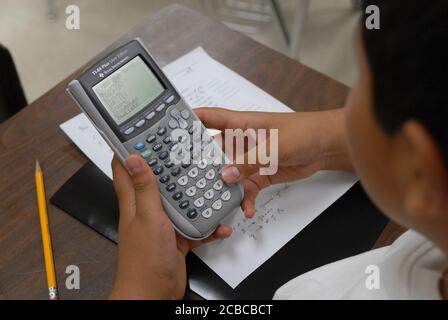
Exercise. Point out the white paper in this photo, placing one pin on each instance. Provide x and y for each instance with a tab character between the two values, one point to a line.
282	210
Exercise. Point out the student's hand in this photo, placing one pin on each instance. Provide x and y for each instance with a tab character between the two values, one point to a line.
151	255
307	142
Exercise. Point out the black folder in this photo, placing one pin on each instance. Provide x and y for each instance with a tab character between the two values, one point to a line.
350	226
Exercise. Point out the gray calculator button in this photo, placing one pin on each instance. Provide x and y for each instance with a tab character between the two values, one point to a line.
207	213
161	107
218	185
192	214
226	196
182	123
161	131
202	164
210	175
150	115
140	123
191	192
209	194
173	124
185	114
175	113
170	99
184	204
183	181
217	205
151	139
193	173
199	202
201	183
174	147
129	130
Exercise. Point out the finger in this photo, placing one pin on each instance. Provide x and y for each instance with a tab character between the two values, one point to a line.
220	118
251	191
147	198
125	192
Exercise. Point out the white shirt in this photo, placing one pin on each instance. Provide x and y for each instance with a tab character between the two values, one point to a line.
411	268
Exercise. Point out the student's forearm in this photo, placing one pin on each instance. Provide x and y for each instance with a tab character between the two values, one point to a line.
334	148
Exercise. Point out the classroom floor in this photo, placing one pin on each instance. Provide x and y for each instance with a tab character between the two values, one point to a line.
46	52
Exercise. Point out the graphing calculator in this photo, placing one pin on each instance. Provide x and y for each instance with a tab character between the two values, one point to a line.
137	110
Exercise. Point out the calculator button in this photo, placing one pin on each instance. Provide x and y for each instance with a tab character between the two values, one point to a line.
161	107
182	123
184	204
183	181
152	162
150	115
167	140
171	187
173	124
140	123
217	205
165	179
163	155
177	196
161	131
175	113
210	175
218	185
199	202
191	192
158	170
157	147
202	164
192	214
201	183
151	139
129	130
174	147
170	99
182	138
146	153
185	165
193	173
175	172
139	145
226	196
185	114
207	213
209	194
168	164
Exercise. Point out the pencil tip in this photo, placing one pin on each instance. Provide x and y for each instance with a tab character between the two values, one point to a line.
38	166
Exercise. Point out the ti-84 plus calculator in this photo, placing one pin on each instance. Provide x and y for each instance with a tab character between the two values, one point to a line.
137	110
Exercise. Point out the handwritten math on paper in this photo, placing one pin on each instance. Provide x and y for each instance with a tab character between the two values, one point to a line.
282	210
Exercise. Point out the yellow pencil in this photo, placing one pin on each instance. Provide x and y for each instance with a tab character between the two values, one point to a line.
45	230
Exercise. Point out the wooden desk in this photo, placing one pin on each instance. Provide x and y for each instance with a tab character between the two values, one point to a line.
34	133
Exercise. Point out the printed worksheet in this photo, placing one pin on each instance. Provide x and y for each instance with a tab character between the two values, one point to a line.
282	210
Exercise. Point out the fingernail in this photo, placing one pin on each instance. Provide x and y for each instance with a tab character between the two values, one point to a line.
230	174
134	165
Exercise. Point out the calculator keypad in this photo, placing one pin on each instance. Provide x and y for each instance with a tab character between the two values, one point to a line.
194	188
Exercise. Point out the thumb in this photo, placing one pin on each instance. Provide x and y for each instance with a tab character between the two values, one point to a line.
147	198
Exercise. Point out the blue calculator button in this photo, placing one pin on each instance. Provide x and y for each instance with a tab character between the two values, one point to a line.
139	145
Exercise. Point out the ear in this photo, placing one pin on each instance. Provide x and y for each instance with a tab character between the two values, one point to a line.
426	176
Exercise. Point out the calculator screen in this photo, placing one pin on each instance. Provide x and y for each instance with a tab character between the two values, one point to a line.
128	90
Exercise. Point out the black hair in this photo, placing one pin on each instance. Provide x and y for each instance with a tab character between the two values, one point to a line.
408	58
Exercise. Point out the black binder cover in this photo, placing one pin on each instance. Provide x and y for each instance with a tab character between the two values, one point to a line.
350	226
